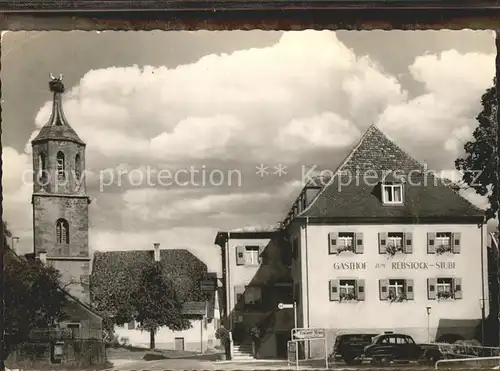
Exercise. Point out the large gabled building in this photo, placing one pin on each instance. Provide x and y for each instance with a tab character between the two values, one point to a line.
382	245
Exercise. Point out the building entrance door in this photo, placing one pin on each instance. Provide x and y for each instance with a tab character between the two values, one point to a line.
179	344
282	339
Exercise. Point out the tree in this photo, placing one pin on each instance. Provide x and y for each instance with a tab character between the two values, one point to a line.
156	303
479	165
33	298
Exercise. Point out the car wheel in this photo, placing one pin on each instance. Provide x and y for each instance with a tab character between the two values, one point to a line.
433	358
386	361
349	360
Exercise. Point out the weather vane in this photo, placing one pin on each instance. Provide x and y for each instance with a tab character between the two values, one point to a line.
55	84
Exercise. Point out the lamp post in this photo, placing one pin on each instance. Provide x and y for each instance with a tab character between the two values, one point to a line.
481	304
428	324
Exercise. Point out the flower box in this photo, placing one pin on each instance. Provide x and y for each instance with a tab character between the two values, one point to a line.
347	296
345	248
396	298
442	249
445	295
393	249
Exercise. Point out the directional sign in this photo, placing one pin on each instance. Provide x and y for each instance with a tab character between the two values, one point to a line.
308	333
285	306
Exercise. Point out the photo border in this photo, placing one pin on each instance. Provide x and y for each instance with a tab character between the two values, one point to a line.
248	14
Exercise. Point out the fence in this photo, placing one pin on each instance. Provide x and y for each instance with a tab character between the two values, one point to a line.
70	353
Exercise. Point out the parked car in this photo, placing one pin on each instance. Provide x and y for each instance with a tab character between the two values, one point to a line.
393	347
350	347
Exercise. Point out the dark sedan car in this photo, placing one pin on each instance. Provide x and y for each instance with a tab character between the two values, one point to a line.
387	348
350	347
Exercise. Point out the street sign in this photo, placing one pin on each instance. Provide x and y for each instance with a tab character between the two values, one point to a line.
285	306
208	285
308	333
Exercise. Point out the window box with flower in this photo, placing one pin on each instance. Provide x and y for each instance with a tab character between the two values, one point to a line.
443	249
347	296
396	297
393	249
445	295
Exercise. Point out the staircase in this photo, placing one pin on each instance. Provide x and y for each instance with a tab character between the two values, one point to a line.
242	352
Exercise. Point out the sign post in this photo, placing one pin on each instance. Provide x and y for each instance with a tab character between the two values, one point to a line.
290	306
307	334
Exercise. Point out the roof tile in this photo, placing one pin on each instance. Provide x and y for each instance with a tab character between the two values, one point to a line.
352	192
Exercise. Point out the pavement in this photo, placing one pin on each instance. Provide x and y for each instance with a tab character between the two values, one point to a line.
197	364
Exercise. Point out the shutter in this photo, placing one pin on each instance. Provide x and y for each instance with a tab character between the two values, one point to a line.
384	289
456	242
431	243
360	290
431	288
334	290
409	290
263	255
457	288
240	255
358	241
408	243
382	242
332	243
239	299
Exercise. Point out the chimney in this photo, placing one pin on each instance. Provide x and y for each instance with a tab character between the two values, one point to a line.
43	257
157	251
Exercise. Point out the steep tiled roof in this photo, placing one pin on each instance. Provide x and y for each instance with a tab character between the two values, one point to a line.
117	271
57	127
349	195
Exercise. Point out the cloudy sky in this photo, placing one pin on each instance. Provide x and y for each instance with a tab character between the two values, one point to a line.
222	103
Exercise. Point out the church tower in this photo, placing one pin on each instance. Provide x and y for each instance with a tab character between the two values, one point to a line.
60	202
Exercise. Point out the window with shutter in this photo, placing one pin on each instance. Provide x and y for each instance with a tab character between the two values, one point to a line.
252	255
253	297
360	290
334	290
408	243
457	288
456	243
240	255
384	289
359	249
444	288
382	242
332	243
431	288
409	291
431	245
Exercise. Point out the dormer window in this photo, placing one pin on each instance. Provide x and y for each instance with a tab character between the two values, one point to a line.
392	193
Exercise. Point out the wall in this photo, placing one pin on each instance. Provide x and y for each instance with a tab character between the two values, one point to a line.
74	257
76	354
409	316
264	274
165	338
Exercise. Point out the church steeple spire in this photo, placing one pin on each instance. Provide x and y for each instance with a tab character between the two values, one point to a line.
57	128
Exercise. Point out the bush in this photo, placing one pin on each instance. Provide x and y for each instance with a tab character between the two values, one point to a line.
223	335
